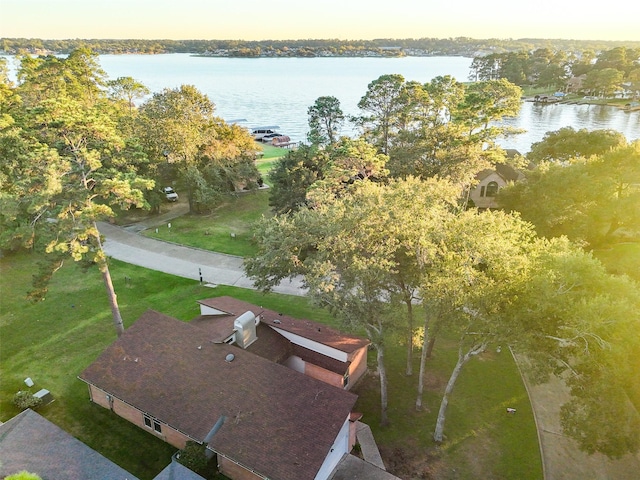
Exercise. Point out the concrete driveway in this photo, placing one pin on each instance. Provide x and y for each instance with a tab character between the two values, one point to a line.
126	245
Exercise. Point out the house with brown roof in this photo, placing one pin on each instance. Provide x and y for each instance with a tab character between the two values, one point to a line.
267	393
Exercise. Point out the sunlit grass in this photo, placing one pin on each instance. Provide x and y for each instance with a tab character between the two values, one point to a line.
226	230
481	440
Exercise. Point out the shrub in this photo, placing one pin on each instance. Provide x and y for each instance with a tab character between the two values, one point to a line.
193	456
24	400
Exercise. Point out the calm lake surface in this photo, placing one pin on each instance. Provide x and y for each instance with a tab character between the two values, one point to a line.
278	91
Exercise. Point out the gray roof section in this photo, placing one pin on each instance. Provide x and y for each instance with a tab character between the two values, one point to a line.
31	442
177	471
354	468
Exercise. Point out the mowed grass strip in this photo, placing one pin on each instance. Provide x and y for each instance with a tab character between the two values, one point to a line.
226	230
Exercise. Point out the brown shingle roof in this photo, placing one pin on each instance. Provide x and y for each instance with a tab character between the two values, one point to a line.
278	421
305	328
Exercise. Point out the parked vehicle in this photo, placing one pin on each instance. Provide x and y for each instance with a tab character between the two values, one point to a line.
170	194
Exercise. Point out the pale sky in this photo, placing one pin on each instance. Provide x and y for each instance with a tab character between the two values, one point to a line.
327	19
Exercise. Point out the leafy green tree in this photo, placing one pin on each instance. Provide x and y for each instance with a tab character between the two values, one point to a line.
308	175
325	120
634	79
291	177
589	200
583	64
384	104
580	323
351	251
618	58
185	140
446	131
487	102
58	175
516	68
567	143
553	76
347	161
603	82
470	267
127	89
486	67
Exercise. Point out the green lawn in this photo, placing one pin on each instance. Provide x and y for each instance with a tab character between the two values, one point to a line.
271	154
225	230
482	440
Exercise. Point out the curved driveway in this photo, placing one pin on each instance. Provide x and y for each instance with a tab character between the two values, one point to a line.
216	268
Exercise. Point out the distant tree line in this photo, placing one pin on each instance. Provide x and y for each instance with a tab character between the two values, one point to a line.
307	47
545	67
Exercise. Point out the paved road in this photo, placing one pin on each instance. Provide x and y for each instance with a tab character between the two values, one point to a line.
128	246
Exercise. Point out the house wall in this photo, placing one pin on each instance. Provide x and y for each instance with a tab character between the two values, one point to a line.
338	449
235	471
484	201
358	366
135	416
324	375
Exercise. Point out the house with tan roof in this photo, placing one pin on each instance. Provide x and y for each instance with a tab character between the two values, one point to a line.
267	393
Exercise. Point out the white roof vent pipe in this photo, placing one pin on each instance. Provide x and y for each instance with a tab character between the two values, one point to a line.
245	327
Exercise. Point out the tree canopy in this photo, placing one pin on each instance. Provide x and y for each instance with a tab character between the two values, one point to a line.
590	200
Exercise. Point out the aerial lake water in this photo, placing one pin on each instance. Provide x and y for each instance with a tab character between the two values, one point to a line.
278	91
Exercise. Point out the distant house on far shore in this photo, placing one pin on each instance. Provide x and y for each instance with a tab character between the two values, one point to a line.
575	84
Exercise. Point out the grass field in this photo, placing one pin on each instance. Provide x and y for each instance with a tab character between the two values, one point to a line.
225	230
53	341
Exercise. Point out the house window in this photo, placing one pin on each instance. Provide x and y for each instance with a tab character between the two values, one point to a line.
492	189
482	190
151	422
345	380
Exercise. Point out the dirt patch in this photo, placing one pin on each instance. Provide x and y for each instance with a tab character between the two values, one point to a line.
433	382
411	462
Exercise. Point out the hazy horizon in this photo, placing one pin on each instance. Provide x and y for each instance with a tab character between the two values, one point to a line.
289	20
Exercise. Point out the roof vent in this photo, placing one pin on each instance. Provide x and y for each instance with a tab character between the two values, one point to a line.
245	328
229	358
